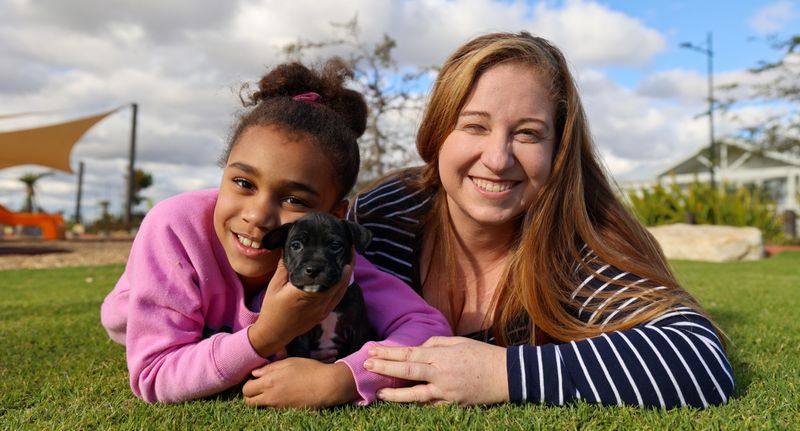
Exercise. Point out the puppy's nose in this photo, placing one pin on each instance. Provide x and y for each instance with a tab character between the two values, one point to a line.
312	270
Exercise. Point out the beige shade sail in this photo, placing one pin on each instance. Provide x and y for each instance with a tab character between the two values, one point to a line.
47	146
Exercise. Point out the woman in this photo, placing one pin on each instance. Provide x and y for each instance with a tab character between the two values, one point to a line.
512	230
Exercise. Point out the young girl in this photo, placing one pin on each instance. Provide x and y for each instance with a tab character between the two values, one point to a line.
201	304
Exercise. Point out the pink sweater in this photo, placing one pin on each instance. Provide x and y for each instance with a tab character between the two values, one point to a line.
179	309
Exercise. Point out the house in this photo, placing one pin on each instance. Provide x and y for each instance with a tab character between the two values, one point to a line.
738	164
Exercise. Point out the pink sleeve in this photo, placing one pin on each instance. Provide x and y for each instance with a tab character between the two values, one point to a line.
168	359
399	316
114	312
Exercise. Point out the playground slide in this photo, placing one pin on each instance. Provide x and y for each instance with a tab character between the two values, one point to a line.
52	225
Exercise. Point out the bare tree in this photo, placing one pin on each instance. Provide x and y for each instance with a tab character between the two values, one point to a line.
391	92
780	83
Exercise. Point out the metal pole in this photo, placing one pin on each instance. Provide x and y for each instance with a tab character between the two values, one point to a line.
131	171
712	143
80	193
708	50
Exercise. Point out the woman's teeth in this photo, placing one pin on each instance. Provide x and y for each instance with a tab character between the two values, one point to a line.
248	242
492	186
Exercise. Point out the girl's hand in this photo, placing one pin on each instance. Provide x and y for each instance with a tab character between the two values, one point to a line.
450	369
287	311
300	382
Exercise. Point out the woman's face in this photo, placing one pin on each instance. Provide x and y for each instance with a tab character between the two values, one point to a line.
498	156
269	179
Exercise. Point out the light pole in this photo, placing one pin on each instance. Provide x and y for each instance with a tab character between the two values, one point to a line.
709	52
130	189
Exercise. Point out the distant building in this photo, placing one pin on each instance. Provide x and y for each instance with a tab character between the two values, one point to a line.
738	164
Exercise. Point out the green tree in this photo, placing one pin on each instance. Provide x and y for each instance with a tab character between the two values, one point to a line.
391	93
141	180
30	179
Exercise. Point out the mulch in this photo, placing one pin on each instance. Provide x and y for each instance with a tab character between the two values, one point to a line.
28	253
773	249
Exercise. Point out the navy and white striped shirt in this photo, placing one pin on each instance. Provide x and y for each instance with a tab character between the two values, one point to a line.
673	360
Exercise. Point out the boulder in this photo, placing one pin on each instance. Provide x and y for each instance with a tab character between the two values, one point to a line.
709	242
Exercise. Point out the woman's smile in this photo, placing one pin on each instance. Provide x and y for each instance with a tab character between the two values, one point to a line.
493	186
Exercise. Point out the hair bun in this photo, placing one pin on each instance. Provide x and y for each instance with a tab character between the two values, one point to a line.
292	79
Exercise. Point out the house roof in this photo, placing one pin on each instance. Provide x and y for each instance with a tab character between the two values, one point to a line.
754	158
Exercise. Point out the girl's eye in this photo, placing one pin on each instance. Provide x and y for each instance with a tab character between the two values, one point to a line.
243	183
295	202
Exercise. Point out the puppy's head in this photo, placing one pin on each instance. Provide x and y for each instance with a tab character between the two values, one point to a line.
316	247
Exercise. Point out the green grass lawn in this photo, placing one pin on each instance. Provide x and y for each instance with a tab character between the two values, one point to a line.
59	370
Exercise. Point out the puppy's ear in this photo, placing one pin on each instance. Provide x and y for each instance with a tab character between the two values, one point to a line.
276	238
360	235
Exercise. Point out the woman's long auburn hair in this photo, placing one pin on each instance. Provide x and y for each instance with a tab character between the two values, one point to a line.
575	206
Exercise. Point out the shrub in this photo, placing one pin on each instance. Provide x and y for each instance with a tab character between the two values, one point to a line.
699	203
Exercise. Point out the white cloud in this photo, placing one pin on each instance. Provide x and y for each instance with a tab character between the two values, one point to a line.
685	85
773	17
594	35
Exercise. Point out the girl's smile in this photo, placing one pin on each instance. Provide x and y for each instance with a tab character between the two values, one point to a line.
250	247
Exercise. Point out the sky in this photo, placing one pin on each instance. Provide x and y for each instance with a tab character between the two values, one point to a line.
183	62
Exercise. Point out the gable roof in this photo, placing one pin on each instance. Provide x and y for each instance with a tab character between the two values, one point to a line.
741	156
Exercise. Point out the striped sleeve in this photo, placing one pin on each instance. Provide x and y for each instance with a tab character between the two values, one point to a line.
674	360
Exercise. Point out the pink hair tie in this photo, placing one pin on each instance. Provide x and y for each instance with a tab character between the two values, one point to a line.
309	97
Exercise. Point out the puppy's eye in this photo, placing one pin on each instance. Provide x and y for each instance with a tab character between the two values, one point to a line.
335	246
296	245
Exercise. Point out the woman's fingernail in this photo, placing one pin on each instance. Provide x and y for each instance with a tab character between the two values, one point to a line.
379	394
372	352
368	364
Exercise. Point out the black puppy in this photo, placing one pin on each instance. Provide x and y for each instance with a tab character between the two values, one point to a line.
316	247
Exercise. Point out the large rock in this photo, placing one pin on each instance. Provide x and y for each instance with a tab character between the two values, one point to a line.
709	242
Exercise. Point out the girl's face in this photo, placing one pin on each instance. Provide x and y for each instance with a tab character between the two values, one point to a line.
269	179
498	156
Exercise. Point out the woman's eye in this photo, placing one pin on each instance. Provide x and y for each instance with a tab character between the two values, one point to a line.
473	128
528	136
243	183
296	245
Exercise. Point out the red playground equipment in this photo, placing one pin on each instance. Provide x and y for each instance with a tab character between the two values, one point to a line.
51	225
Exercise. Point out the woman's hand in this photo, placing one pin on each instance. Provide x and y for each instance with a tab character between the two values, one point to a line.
450	369
300	382
287	311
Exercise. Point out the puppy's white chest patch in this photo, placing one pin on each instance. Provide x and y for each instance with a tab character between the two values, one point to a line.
328	331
